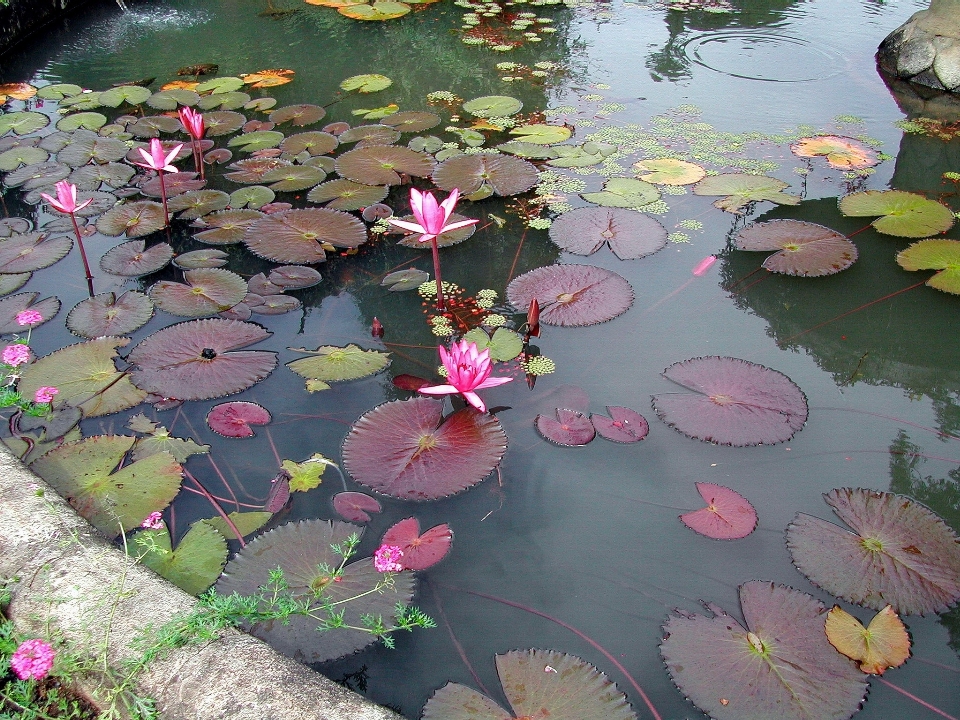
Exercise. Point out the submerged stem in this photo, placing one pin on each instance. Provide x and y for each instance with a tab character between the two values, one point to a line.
436	272
83	254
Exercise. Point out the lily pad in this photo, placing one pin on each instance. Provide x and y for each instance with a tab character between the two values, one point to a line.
32	251
315	143
23	122
246	522
406	449
571	428
623	426
366	83
233	419
151	127
294	277
505	174
382	165
727	516
904	214
631	235
208	258
298	115
11	306
222	122
622	192
170	99
195	564
536	683
899	553
842	153
734	402
90	177
369	135
303	550
87	120
276	305
134	219
58	91
779	666
107	314
11	282
195	360
805	249
884	644
411	121
28	155
493	106
195	203
504	345
227	226
572	295
226	100
253	197
669	171
250	170
207	291
174	184
400	280
113	502
134	259
293	178
130	94
347	195
741	189
333	364
87	377
257	140
378	10
542	134
220	85
300	236
934	254
31	177
419	551
355	506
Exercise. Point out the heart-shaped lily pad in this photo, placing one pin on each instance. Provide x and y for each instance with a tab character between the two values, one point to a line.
207	258
250	170
257	140
196	562
419	551
741	189
631	235
134	259
12	306
504	345
571	428
727	516
107	314
298	115
805	249
23	122
493	106
884	644
904	214
367	83
572	295
622	192
624	425
935	254
505	174
233	419
400	280
196	203
842	153
669	171
355	506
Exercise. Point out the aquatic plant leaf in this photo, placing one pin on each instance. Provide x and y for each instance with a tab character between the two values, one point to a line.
298	115
208	258
407	450
107	314
493	106
369	135
333	364
31	177
400	280
253	197
623	426
293	178
302	550
90	177
268	78
904	214
805	249
170	99
160	440
571	428
276	305
28	155
506	174
779	666
222	122
193	360
233	419
58	91
196	203
355	506
134	219
23	122
294	277
842	153
631	235
378	10
299	236
11	306
32	251
669	171
250	170
411	121
624	193
246	522
306	475
735	402
87	378
225	101
220	85
130	94
16	91
882	645
83	473
504	344
935	254
347	194
228	226
195	564
86	120
444	239
741	189
207	291
572	295
11	282
257	140
151	127
366	83
134	259
315	143
542	134
528	150
899	553
174	184
536	683
382	165
419	551
727	516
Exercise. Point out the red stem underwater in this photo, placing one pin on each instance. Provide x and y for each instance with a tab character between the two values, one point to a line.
436	272
83	254
913	697
216	505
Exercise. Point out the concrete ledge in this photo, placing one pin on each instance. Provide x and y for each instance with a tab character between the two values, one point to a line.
74	581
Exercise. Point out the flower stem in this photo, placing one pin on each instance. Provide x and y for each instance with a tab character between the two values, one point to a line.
163	196
83	254
436	272
197	156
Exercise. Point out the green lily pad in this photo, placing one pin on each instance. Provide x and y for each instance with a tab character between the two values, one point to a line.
81	103
412	121
91	177
170	99
90	147
401	280
333	364
58	91
904	214
31	177
933	254
130	94
158	439
306	475
624	193
541	134
379	10
224	101
23	122
222	122
197	203
219	85
246	522
741	189
366	83
528	150
568	156
15	157
493	106
253	197
347	195
113	502
504	344
195	564
293	178
670	171
257	140
151	127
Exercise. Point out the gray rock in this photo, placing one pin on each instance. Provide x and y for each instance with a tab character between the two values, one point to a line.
926	49
947	67
915	56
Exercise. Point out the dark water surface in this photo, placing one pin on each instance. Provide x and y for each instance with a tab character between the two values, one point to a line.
590	535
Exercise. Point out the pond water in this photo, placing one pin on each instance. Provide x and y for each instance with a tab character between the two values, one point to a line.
587	538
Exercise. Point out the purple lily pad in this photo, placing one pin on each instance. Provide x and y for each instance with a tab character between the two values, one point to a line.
408	450
299	236
623	426
173	184
279	493
207	291
806	249
11	306
294	277
735	402
298	115
355	506
134	219
727	516
32	251
207	258
505	174
630	234
227	226
233	419
276	305
572	295
259	285
571	428
419	551
382	164
134	259
107	314
250	170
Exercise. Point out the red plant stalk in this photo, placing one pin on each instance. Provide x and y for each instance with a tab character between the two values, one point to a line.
197	156
163	196
441	305
83	254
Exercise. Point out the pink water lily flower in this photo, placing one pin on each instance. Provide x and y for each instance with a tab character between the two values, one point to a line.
468	369
431	217
66	200
156	159
192	122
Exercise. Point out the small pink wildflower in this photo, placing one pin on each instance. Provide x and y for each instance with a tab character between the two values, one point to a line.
44	394
29	317
387	559
153	521
33	659
16	354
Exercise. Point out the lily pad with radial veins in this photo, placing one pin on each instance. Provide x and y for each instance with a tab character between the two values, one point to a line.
207	291
108	314
631	235
419	551
299	236
506	174
805	249
904	214
134	259
727	516
572	295
383	164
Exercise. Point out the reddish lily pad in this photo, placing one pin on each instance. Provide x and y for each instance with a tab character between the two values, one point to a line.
194	360
779	666
107	314
11	306
735	402
355	506
32	251
407	450
294	277
298	115
250	170
134	219
300	236
369	135
727	516
195	203
806	249
233	419
208	258
347	195
899	553
571	428
303	550
842	153
207	291
623	426
572	295
631	235
412	121
227	226
134	259
174	184
293	178
504	174
419	551
537	684
382	165
276	305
